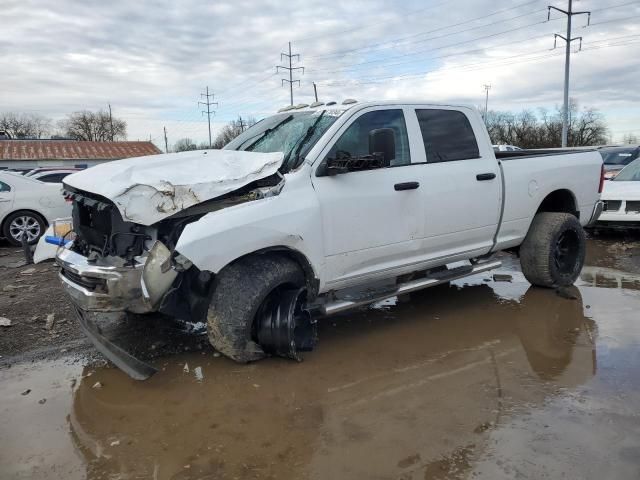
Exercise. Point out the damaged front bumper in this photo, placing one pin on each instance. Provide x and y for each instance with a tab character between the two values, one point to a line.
136	369
102	287
104	292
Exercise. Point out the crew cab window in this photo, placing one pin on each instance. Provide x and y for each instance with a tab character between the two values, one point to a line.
356	141
447	135
4	187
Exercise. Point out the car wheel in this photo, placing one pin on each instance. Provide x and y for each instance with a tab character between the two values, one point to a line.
552	254
257	309
23	223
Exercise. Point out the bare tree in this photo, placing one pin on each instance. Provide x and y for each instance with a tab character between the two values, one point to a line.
25	125
184	145
231	131
528	130
94	126
630	138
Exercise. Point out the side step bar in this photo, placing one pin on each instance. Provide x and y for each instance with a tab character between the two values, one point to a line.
338	306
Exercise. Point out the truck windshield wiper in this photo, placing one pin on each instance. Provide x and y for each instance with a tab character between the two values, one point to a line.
265	134
301	143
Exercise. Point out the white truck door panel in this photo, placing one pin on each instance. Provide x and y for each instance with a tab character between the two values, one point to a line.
372	219
462	184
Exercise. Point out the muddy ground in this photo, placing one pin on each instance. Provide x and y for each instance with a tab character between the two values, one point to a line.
479	379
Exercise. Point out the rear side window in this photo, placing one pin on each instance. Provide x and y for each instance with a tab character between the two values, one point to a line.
4	187
447	135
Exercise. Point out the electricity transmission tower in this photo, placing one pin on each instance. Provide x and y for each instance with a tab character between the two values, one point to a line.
487	87
567	57
208	103
290	69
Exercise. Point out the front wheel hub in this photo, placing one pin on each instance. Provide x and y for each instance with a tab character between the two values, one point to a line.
285	327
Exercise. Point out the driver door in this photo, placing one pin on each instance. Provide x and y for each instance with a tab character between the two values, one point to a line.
372	218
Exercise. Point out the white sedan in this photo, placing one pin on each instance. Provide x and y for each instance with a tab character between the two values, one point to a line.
621	197
27	206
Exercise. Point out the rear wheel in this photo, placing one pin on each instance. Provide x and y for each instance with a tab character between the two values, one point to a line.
552	254
257	308
23	223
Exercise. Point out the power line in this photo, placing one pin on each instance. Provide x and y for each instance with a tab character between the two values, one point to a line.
290	69
567	60
464	42
509	60
395	41
368	25
208	111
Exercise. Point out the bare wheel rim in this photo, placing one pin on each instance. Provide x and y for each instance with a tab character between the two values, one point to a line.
565	253
24	224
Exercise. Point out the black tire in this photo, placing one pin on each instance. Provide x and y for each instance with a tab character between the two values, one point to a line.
552	254
34	222
240	290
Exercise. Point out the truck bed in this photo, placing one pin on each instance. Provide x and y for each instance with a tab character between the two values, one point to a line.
518	154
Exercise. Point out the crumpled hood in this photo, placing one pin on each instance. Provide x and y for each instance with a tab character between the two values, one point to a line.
148	189
617	190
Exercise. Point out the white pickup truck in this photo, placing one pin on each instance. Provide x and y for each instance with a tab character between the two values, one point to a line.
313	211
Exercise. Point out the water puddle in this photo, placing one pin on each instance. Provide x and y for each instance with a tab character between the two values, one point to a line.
481	378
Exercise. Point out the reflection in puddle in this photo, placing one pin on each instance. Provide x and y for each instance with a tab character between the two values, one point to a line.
417	383
609	278
481	378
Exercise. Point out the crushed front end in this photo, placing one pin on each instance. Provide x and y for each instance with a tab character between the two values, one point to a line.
114	267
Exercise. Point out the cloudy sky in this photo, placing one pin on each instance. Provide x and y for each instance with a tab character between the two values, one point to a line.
152	59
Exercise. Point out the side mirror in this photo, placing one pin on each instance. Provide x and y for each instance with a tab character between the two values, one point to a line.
382	142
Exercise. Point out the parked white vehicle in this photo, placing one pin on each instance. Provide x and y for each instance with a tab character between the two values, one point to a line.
27	206
621	197
51	175
314	211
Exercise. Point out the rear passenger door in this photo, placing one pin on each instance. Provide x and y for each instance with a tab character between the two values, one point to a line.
461	184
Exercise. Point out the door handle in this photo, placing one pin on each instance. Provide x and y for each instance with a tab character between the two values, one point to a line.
485	176
406	186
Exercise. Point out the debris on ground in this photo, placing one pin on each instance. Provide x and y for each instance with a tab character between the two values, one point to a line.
42	401
26	392
198	374
51	318
502	277
186	368
115	443
10	288
5	322
97	385
28	271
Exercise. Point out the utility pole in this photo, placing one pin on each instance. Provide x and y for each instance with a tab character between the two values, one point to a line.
208	103
111	121
166	143
241	123
565	107
315	91
290	68
487	87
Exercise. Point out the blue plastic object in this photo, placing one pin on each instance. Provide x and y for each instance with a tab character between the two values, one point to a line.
61	242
